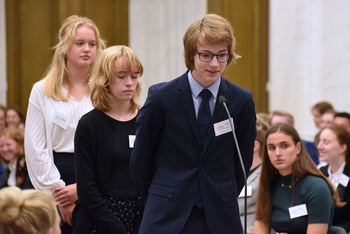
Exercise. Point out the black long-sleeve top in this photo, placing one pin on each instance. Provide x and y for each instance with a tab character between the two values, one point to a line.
102	156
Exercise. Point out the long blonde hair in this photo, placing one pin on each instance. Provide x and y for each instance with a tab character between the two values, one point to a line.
57	73
26	211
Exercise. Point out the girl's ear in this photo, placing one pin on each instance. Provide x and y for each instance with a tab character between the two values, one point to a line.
298	145
256	146
343	149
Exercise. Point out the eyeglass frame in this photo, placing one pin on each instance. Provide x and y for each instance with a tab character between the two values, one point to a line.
214	55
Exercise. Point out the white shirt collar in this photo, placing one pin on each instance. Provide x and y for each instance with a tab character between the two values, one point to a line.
335	177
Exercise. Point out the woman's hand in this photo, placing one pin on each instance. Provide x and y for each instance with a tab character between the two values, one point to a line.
66	213
67	195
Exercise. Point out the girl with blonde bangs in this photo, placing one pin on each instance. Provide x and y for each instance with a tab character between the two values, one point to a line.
56	104
104	73
108	200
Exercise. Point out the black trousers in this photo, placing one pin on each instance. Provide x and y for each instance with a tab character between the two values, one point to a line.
196	223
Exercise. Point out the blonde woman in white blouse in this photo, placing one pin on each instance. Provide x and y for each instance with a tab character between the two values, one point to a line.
56	104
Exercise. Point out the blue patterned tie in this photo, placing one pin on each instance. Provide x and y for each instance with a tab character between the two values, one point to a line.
204	119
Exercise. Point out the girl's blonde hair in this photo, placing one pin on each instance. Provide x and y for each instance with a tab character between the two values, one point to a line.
26	211
104	72
57	73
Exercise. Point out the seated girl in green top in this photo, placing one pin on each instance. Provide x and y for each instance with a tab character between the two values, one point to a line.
294	196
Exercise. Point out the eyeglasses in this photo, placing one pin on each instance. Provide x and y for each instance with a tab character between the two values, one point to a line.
207	57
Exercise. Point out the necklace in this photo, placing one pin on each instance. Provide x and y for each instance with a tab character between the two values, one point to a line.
289	186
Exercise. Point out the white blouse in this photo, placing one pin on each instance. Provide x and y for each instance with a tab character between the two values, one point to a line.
12	166
335	177
50	126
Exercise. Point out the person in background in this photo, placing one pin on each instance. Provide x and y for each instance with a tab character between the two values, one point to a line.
56	104
108	200
265	117
254	175
2	117
318	110
334	149
14	117
294	196
184	162
28	212
2	163
342	119
327	119
12	151
285	117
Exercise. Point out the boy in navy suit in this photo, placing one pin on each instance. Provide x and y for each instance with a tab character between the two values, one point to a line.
184	162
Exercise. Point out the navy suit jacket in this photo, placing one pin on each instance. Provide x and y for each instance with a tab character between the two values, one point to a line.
167	162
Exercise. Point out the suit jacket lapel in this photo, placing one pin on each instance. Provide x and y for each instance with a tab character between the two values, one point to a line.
185	95
342	189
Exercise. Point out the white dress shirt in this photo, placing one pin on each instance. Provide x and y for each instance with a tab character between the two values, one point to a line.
50	126
334	178
12	165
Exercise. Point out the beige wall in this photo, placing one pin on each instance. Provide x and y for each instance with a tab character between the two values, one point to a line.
309	58
30	36
3	83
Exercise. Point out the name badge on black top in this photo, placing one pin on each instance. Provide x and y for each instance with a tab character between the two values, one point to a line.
131	141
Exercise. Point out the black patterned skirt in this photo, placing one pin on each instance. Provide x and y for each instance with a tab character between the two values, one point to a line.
127	209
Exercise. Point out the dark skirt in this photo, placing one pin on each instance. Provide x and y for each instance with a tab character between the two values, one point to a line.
65	165
128	210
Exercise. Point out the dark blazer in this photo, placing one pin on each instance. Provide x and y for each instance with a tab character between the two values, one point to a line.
342	214
167	163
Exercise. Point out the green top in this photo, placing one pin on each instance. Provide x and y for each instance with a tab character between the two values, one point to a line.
312	191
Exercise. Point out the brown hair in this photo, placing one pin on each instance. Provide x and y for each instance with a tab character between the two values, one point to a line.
342	135
302	166
322	107
261	128
290	118
211	28
18	111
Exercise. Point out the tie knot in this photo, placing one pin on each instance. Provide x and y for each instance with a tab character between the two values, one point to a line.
205	94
